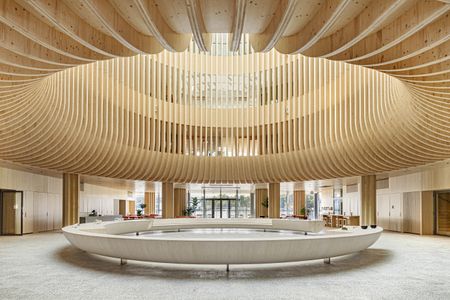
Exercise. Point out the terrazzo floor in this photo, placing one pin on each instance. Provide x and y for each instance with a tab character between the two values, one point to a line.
398	266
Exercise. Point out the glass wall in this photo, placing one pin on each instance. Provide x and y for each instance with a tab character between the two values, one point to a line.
222	201
286	204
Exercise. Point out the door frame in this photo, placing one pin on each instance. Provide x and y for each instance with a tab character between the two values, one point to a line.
213	206
1	210
436	212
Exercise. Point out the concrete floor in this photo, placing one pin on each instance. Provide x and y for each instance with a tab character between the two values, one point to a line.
398	266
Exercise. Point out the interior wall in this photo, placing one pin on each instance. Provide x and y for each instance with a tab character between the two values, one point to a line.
102	199
42	198
406	205
351	198
326	200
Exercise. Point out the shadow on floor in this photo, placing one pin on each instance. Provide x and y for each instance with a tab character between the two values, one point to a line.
95	263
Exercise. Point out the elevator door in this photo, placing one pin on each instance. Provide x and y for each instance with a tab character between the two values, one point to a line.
443	213
11	205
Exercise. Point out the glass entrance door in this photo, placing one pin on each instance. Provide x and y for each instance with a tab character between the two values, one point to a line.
443	213
11	209
223	201
220	208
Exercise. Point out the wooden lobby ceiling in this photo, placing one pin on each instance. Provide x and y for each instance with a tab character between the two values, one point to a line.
406	38
53	53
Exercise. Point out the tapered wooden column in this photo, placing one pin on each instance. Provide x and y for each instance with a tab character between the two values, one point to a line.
426	213
368	200
149	201
167	200
274	200
71	197
261	196
299	202
179	201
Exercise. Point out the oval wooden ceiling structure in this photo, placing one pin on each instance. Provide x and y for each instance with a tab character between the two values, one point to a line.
296	90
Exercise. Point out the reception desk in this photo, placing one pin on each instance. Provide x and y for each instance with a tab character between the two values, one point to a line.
91	219
340	220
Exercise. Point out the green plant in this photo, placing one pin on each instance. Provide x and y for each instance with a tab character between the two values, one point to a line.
302	211
265	203
191	209
140	209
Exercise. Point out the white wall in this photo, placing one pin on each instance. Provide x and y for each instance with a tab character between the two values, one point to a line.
326	200
101	199
351	202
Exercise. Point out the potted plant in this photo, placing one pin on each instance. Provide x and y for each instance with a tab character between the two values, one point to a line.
303	213
140	209
191	209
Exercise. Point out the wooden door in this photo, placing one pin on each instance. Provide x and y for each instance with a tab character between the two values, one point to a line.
50	210
132	207
443	213
395	212
8	213
57	214
411	212
28	212
383	211
123	207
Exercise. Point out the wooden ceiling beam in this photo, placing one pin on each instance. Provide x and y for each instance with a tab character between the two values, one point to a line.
201	38
367	22
238	24
315	29
265	41
170	40
17	17
407	26
121	30
59	15
19	44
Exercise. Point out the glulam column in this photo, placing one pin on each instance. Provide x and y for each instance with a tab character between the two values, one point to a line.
149	201
261	197
179	201
71	196
368	200
167	200
274	200
299	202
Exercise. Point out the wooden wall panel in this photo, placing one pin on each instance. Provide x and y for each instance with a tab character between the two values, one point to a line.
261	196
179	201
299	202
149	200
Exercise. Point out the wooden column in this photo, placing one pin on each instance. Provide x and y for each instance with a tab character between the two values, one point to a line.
71	197
261	196
426	213
122	207
131	207
149	201
299	202
167	200
274	200
368	200
179	201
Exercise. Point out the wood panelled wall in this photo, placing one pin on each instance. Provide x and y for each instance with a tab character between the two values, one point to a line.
179	201
299	202
260	196
149	201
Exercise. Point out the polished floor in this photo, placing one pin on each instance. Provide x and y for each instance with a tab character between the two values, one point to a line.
398	266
